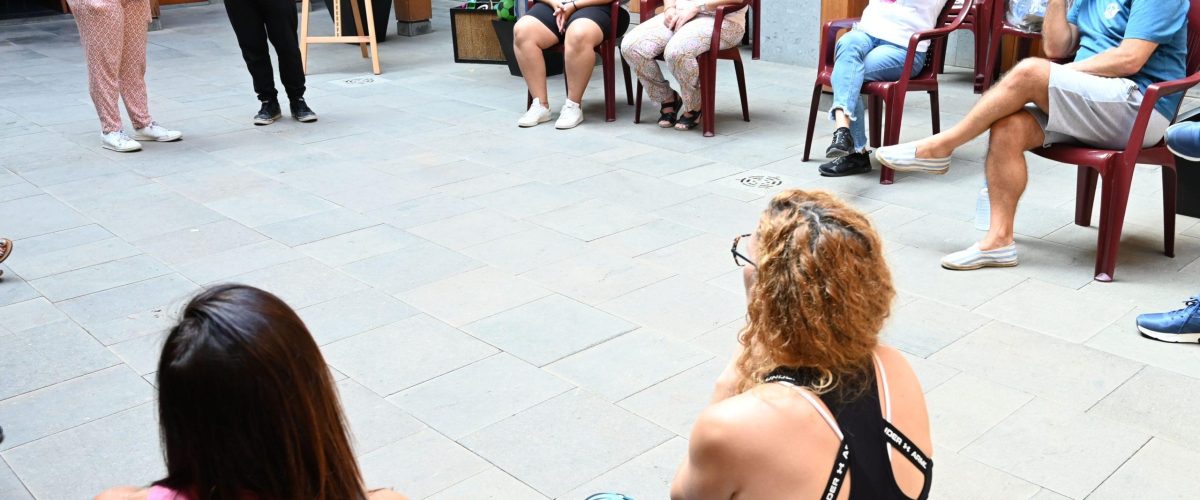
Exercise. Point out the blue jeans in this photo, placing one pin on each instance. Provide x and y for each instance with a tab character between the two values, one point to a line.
861	57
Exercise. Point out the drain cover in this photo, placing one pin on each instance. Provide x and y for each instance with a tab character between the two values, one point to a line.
761	181
362	80
358	81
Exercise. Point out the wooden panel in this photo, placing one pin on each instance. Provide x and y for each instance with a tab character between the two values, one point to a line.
473	36
841	9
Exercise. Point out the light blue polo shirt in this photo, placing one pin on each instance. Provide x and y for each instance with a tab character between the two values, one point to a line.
1103	24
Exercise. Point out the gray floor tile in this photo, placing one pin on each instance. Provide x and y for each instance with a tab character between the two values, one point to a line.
318	226
424	210
48	354
353	314
963	477
675	403
403	354
1040	307
966	406
1158	470
715	214
53	409
548	329
704	257
473	295
1033	363
924	326
32	264
53	216
141	353
597	276
99	277
420	465
29	314
1155	401
645	238
527	250
491	484
591	220
527	200
229	262
15	289
628	364
469	229
412	267
374	422
679	306
357	245
529	444
115	450
190	244
131	310
11	487
635	190
648	476
1053	446
270	205
917	271
480	394
302	283
1122	339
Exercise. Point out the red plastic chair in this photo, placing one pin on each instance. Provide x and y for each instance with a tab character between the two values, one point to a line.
606	49
997	30
890	93
1116	167
978	22
708	66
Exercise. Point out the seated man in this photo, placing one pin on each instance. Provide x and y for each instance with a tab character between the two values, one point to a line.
1123	47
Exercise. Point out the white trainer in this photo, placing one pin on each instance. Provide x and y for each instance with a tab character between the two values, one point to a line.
119	142
537	113
156	132
570	116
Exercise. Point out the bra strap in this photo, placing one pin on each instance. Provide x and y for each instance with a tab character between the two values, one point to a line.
914	455
837	476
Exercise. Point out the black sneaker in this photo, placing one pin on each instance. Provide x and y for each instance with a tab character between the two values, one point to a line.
268	113
842	145
301	111
854	163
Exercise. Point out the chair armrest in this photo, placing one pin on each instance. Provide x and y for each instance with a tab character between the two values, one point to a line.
718	20
646	9
829	34
1153	93
915	40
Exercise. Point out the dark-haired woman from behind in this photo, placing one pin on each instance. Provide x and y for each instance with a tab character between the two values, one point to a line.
247	408
813	406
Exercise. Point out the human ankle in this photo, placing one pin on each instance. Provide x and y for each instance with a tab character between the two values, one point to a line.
990	242
931	149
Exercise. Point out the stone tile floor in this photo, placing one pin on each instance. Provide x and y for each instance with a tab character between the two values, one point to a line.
535	313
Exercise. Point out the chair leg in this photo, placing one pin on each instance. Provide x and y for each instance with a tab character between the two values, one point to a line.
935	111
1085	195
1170	181
608	67
1113	203
875	113
895	117
812	120
741	81
708	95
637	106
628	82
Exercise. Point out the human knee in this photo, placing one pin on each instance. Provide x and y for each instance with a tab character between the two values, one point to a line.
1013	132
1028	72
583	36
525	31
854	44
677	52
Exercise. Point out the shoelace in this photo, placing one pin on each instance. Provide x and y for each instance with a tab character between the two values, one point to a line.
1190	308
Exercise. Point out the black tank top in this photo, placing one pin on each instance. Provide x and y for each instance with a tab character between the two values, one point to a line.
864	448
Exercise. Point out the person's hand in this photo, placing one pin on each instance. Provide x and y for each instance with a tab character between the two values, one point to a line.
669	17
562	14
684	12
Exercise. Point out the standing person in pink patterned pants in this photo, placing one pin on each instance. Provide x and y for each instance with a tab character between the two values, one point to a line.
113	33
680	33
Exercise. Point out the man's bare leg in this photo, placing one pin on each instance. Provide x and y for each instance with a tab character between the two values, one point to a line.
1028	81
1007	173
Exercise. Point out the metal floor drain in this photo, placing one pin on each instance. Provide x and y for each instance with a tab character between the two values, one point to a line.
761	181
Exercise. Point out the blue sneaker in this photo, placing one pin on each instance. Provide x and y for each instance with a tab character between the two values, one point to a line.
1183	140
1180	326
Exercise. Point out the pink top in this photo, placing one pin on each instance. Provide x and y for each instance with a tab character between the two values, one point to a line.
164	493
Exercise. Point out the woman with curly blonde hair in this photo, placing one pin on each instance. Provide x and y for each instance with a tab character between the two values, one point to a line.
813	406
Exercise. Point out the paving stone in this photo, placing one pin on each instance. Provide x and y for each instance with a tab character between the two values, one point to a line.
548	329
11	488
118	449
129	311
199	242
403	354
527	250
966	406
491	484
99	277
1159	470
628	364
917	271
648	476
1039	307
353	314
374	422
469	229
1123	339
595	277
530	445
1054	446
29	314
1033	363
480	394
704	257
931	374
530	199
318	226
473	295
679	306
48	354
593	219
1155	401
358	245
420	465
715	214
59	407
675	403
32	263
141	353
416	265
53	216
15	289
269	205
959	476
301	283
632	189
923	327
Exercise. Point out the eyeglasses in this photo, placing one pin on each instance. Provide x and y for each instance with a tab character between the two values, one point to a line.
739	258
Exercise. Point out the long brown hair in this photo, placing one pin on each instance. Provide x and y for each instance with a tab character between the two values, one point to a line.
822	293
247	407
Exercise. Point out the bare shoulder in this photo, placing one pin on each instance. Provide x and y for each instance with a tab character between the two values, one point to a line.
746	422
898	367
385	494
124	493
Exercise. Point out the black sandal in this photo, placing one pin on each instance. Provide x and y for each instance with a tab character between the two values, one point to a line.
666	119
688	120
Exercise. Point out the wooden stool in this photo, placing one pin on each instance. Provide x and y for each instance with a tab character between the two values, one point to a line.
363	41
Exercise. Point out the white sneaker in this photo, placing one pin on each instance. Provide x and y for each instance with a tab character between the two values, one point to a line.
537	113
570	116
118	141
156	132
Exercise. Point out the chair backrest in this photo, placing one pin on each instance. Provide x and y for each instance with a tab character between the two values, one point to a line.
1193	40
948	17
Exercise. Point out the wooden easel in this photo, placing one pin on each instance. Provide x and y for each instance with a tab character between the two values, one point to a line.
363	41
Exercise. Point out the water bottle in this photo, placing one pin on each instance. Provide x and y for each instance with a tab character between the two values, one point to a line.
983	210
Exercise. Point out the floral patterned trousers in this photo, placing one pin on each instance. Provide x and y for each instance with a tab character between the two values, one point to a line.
644	43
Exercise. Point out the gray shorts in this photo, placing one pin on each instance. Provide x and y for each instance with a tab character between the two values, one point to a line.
1094	110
